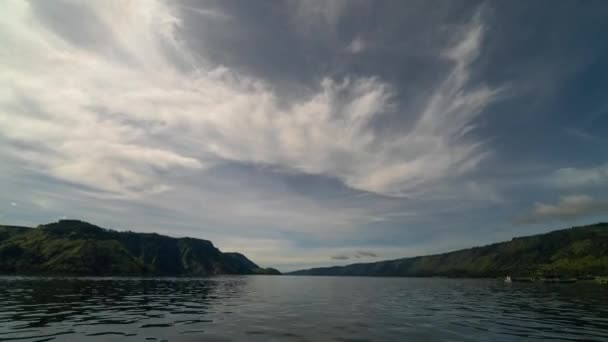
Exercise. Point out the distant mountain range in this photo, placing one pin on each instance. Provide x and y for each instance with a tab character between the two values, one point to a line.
71	247
577	251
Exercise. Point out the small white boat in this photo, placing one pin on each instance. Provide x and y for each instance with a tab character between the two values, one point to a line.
508	279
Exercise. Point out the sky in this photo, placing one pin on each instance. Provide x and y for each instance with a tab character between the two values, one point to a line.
306	133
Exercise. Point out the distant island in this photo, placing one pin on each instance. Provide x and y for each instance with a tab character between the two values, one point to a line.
579	252
77	248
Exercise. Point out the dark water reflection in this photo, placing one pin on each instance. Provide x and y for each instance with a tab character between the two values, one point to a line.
259	308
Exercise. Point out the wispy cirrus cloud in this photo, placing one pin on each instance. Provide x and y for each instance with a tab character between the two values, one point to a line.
118	111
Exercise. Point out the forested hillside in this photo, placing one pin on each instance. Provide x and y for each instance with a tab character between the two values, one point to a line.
569	252
71	247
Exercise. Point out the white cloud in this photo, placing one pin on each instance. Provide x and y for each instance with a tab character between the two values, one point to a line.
120	114
568	208
357	45
580	177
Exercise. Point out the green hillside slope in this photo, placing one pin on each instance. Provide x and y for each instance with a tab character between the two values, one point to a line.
71	247
570	252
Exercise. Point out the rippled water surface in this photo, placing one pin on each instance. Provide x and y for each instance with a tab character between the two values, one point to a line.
262	308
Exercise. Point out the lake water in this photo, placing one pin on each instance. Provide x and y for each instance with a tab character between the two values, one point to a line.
285	308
